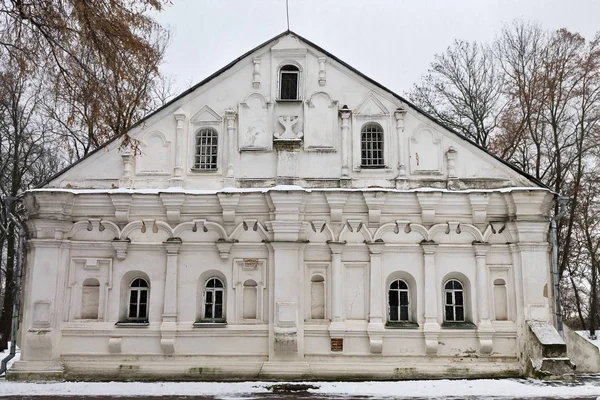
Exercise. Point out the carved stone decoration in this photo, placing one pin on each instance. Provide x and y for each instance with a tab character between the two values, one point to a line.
370	110
180	117
254	124
336	203
375	201
428	203
425	152
321	122
288	122
230	116
229	202
322	72
121	203
155	157
120	247
399	115
256	73
172	203
479	203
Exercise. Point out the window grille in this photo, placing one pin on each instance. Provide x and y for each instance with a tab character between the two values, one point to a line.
372	146
138	300
213	300
206	150
288	82
398	297
454	305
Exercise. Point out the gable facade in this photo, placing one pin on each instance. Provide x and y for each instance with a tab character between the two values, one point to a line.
286	218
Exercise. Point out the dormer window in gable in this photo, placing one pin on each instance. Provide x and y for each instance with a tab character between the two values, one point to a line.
206	150
371	146
289	81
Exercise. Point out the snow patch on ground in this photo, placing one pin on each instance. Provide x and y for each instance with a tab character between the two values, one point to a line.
586	336
421	389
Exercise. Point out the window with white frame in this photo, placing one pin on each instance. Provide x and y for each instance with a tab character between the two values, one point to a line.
289	79
214	300
138	300
454	305
206	150
398	300
371	146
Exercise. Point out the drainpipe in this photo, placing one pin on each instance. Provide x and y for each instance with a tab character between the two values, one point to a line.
16	305
562	209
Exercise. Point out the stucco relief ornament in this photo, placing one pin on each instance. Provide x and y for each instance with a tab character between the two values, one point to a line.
288	122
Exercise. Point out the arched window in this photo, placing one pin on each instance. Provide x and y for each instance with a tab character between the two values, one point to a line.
213	300
398	300
250	297
90	296
207	145
138	300
288	82
500	300
371	145
317	297
454	307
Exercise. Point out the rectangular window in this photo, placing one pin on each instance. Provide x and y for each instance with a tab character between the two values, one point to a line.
206	150
289	85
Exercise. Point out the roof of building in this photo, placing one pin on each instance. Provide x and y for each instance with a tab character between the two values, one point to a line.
328	54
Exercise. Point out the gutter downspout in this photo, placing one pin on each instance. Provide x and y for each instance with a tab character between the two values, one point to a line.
16	305
562	207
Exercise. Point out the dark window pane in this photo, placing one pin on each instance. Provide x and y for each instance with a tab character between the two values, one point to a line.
458	298
209	297
460	314
218	283
449	285
218	297
132	310
404	298
218	311
210	283
289	86
449	298
393	313
394	285
142	311
393	298
402	285
134	296
449	313
404	313
208	311
143	296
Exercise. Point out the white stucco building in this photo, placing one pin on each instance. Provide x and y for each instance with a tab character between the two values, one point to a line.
287	217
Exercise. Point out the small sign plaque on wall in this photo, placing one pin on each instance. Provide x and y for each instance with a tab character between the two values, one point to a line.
337	344
250	263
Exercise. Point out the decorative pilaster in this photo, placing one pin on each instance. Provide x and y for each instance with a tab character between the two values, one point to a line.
230	116
375	328
256	73
345	114
485	330
452	176
431	328
322	73
337	327
126	180
169	317
401	180
177	180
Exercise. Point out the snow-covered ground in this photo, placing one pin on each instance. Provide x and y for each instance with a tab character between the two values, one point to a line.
14	359
586	336
423	389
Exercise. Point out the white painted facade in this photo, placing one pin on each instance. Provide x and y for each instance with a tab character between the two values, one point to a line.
313	243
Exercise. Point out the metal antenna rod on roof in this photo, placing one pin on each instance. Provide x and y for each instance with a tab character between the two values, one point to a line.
287	13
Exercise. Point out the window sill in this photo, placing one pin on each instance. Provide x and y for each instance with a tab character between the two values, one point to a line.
131	324
459	325
402	325
210	324
373	166
204	171
289	100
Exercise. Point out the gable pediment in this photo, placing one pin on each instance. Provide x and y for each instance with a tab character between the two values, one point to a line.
371	106
204	115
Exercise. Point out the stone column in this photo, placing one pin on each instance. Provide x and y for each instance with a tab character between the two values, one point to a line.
127	176
376	328
337	326
169	316
345	114
431	328
401	180
230	116
177	180
485	330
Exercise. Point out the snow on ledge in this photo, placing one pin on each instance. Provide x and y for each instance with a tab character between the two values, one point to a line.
278	188
416	389
586	336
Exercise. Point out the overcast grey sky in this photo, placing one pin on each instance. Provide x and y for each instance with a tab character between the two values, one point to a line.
391	41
